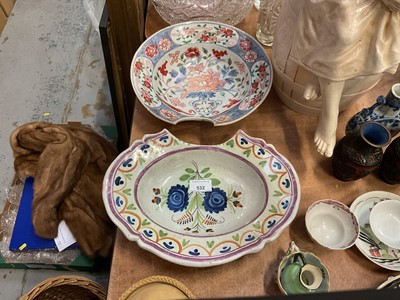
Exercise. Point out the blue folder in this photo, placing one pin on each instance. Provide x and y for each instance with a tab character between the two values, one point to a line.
24	232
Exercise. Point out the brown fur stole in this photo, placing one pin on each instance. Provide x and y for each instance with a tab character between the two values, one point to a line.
68	163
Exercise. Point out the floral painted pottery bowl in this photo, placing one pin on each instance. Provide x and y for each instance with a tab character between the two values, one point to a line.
385	222
302	272
331	224
202	71
201	205
369	245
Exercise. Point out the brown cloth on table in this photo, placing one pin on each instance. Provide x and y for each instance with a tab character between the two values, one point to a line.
68	163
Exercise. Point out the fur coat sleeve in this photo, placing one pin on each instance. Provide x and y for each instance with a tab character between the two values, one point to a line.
68	163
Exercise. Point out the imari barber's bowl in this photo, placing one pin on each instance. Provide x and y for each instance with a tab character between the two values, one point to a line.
201	205
201	71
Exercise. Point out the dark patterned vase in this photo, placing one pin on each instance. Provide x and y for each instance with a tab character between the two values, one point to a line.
358	154
389	170
386	111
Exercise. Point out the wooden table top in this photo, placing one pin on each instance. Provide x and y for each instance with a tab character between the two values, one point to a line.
292	135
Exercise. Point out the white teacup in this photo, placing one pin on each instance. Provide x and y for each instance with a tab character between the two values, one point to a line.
331	224
385	222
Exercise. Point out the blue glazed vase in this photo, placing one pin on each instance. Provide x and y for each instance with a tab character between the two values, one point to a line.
359	154
386	111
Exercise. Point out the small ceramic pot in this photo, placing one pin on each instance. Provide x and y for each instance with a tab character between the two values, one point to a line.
357	155
389	169
301	272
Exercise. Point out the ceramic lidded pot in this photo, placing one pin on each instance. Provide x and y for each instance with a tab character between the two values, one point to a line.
358	154
301	272
389	169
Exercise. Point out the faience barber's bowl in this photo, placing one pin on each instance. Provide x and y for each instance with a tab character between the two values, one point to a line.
201	205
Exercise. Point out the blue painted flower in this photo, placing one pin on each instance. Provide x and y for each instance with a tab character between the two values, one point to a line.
215	201
178	198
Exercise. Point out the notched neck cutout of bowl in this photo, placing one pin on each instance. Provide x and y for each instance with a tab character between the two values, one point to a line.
201	71
250	194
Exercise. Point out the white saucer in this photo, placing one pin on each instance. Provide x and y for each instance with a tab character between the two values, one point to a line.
369	245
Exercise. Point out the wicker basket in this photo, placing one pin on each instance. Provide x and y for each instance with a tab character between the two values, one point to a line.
157	287
66	287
